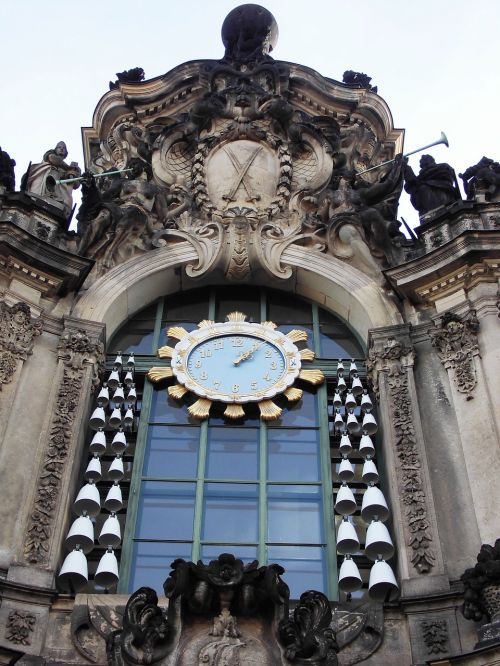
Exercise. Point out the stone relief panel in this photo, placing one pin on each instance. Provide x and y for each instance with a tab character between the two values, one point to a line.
76	351
20	626
394	358
17	336
456	344
435	636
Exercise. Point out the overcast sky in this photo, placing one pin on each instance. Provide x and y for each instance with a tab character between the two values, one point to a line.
435	62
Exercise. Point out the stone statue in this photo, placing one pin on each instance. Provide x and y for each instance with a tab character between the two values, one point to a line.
7	176
135	75
249	32
483	177
41	178
359	80
436	185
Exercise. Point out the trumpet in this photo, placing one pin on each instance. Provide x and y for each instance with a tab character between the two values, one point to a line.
442	139
65	181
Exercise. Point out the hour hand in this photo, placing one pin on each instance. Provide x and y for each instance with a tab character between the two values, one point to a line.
247	354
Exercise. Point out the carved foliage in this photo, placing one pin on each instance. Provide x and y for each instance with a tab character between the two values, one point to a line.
145	628
20	625
395	359
435	636
456	344
17	333
76	350
308	637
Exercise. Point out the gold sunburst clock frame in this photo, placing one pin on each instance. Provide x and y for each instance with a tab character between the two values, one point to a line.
234	342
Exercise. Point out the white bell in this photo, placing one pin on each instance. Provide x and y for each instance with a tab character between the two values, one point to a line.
349	576
353	367
118	395
103	397
131	361
347	539
132	396
338	422
345	446
129	378
107	570
369	424
374	505
366	403
87	501
74	574
369	473
113	379
366	447
337	400
346	471
341	385
353	426
98	419
356	386
115	420
98	444
118	361
345	503
119	443
116	471
114	501
340	368
110	535
350	400
93	471
128	419
81	534
382	585
378	542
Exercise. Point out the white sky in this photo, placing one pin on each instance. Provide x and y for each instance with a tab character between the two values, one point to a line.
435	62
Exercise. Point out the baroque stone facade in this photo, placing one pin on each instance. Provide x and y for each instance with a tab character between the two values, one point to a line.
258	174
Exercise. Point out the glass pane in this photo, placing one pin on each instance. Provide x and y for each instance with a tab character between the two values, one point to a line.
134	336
333	346
245	553
288	309
232	453
301	413
189	306
294	514
165	409
164	339
293	455
166	510
151	563
241	299
171	452
230	512
284	328
304	567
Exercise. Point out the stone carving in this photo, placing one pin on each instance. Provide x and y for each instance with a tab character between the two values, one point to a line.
7	175
456	343
436	185
482	180
435	636
17	333
359	630
249	32
359	80
135	75
395	358
482	586
76	350
308	637
20	625
41	178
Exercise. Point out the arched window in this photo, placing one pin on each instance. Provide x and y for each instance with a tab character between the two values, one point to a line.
260	490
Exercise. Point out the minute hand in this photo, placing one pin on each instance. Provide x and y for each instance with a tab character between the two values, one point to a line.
247	354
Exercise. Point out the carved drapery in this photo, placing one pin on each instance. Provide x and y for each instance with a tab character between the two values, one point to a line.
17	333
76	350
456	344
395	360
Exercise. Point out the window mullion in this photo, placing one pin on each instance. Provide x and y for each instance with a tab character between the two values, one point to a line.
200	488
262	549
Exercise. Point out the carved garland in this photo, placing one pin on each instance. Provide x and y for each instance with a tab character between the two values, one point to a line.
20	625
17	333
411	487
435	636
76	350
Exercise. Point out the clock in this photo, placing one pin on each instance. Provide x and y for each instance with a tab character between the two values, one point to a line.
236	362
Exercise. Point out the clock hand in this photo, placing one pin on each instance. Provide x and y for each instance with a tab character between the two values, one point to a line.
247	354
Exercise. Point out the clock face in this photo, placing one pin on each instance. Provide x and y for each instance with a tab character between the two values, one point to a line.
237	363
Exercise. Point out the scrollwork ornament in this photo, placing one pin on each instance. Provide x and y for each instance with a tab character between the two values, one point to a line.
394	359
456	344
17	333
77	349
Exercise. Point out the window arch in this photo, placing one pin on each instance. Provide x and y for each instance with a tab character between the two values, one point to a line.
262	491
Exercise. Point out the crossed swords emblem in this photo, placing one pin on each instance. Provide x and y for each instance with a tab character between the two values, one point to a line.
241	173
